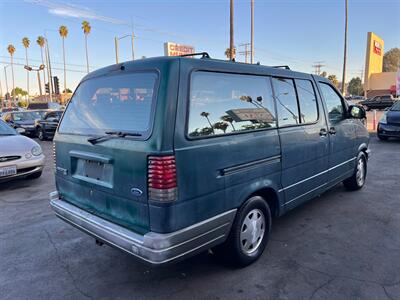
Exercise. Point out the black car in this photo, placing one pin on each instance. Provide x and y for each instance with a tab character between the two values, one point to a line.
389	125
46	127
22	119
378	102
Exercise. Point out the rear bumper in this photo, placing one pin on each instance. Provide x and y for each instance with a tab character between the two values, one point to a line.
154	248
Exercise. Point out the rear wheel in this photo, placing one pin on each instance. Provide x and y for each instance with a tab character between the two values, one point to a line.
249	233
357	180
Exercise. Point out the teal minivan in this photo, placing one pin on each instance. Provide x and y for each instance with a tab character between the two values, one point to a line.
166	157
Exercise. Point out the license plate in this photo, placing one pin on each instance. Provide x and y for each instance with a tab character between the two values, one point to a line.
7	171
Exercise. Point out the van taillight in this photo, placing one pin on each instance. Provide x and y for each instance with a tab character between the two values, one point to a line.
162	178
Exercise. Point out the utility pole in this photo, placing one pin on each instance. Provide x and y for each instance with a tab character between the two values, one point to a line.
231	41
246	52
47	54
116	49
345	50
252	32
317	67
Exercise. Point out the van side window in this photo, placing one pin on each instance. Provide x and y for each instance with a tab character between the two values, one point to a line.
286	101
222	103
333	102
307	101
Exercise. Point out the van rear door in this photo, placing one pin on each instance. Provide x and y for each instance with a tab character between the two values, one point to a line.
102	147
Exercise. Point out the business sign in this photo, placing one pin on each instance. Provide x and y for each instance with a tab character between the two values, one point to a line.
373	58
377	48
251	114
173	49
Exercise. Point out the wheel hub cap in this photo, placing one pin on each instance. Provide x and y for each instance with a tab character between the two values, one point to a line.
252	231
360	172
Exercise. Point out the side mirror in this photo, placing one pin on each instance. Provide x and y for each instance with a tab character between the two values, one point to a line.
20	130
357	112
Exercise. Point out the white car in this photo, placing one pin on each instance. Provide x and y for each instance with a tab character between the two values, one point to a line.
19	156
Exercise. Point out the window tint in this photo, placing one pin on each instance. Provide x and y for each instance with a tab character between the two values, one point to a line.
307	100
286	101
333	103
224	103
111	103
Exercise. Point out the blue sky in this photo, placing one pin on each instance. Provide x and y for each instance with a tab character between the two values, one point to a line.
293	32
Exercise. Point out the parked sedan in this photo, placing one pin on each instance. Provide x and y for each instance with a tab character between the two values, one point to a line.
22	119
19	156
389	125
378	102
46	127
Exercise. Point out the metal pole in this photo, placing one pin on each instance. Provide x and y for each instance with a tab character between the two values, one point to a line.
13	82
231	41
345	51
5	75
40	84
133	52
116	49
49	70
252	32
1	95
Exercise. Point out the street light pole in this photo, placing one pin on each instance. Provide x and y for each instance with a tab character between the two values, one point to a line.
252	32
231	41
345	51
41	67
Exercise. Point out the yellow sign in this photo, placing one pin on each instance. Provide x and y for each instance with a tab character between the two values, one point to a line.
374	57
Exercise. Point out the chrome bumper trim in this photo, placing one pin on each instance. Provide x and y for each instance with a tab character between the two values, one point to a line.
154	248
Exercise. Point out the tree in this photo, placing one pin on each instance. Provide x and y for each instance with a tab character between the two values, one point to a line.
228	119
355	87
391	60
323	74
11	51
63	30
41	41
86	30
67	90
205	115
18	92
26	43
334	80
221	126
228	52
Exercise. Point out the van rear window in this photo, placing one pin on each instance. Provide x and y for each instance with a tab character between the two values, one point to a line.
112	103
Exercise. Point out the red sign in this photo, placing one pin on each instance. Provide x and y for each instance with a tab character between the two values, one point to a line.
377	48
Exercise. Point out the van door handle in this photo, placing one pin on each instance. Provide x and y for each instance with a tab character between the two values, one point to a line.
332	130
323	132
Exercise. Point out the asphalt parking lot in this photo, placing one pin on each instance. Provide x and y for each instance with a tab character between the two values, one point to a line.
342	245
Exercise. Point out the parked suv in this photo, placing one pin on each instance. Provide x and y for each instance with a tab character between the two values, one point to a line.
166	157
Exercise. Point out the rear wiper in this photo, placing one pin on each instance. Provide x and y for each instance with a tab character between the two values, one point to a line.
110	135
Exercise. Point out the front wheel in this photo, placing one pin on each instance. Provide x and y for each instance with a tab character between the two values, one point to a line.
249	234
357	180
40	134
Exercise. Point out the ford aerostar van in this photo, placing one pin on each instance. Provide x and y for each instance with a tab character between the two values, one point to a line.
166	157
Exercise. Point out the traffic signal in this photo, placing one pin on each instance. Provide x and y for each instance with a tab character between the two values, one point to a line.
56	85
46	86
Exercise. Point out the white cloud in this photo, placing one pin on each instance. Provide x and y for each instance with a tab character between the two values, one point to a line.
75	11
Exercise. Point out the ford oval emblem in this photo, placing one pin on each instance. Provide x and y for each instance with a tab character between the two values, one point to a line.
136	192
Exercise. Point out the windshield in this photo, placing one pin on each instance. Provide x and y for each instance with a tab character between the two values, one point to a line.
24	116
39	114
396	106
111	103
6	130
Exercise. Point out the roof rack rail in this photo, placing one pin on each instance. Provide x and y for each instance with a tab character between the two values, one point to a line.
203	54
282	67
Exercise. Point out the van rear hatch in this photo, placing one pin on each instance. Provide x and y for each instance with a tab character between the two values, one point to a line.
102	147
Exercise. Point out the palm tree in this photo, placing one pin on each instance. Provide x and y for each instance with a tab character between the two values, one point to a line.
228	119
26	42
228	52
11	50
63	30
86	30
205	115
41	41
221	126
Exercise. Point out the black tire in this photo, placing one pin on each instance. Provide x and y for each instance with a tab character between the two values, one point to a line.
382	138
357	180
232	251
35	175
40	134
